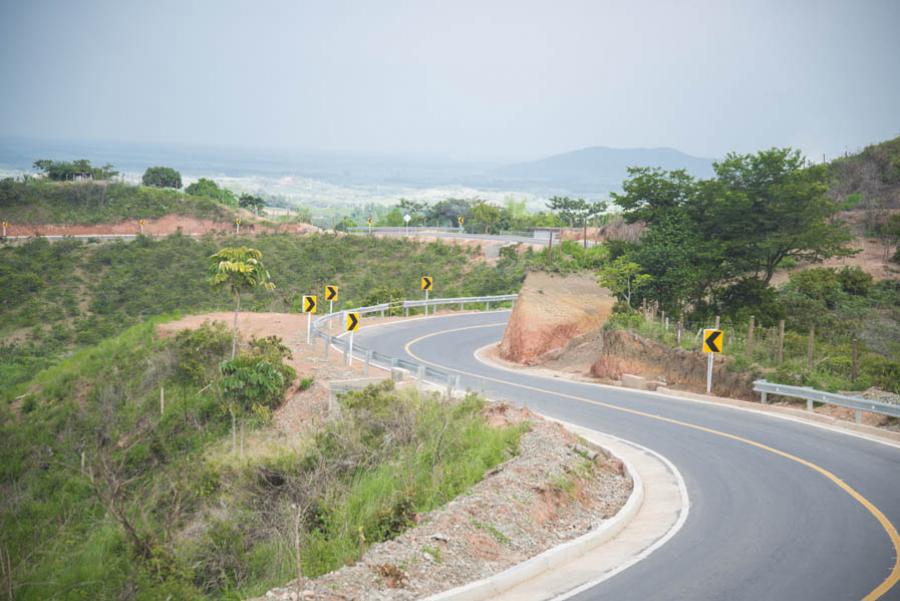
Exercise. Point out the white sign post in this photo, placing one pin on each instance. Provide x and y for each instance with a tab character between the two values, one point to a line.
407	219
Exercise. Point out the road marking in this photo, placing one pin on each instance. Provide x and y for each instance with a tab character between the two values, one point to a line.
876	593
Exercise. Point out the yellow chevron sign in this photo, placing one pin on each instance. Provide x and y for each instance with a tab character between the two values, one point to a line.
331	293
309	304
712	341
427	283
352	321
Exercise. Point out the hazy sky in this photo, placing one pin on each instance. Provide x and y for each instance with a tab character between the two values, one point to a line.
458	78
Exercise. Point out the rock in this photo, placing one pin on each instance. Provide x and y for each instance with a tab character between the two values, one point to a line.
440	537
632	381
550	311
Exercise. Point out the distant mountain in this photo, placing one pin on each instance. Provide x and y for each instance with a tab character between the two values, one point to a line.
593	170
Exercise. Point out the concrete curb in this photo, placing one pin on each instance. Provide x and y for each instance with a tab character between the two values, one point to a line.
490	587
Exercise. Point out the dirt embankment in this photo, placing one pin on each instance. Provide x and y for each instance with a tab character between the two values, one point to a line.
552	310
624	352
168	224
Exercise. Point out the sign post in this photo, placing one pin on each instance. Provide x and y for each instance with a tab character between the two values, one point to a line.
331	295
309	307
369	221
237	225
712	344
351	326
460	220
427	284
406	218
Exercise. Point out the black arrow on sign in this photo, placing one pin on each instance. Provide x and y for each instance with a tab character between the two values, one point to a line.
310	304
332	292
711	341
352	321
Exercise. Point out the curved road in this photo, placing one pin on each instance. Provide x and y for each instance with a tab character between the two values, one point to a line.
779	509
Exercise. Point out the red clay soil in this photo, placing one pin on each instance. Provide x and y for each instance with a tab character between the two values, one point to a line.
552	310
168	224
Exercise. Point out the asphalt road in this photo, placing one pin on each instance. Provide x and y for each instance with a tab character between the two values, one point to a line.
772	514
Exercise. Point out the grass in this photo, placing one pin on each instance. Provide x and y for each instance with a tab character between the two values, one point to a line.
40	202
61	296
832	358
216	524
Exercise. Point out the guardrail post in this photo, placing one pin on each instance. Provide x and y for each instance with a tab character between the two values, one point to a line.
859	416
809	404
487	305
382	312
405	311
327	346
420	377
763	397
368	362
347	354
461	306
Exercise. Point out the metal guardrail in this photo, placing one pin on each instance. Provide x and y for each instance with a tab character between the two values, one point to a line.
403	229
420	371
858	404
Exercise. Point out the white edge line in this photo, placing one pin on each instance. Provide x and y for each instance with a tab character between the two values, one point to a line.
798	420
676	527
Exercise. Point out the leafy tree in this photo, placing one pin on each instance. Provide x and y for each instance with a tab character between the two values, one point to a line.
161	177
486	217
238	269
415	210
623	277
210	189
770	206
251	202
446	212
61	171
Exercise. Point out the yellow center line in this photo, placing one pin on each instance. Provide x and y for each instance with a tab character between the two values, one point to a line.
876	593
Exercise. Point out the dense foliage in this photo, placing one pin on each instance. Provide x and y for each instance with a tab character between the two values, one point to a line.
38	202
210	189
161	177
67	294
61	171
734	231
105	494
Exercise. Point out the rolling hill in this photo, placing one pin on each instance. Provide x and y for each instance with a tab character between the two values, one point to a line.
594	169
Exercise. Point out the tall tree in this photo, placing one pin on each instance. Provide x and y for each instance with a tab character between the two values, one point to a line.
161	177
770	206
238	269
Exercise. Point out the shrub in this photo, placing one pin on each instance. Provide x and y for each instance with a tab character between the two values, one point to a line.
161	177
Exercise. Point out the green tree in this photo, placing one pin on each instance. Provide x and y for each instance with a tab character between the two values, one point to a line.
161	177
61	171
486	217
238	269
251	202
623	277
770	206
210	189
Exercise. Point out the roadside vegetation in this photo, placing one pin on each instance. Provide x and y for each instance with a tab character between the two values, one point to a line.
109	491
64	295
36	201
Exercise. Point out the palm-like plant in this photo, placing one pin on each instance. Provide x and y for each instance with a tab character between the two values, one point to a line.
238	269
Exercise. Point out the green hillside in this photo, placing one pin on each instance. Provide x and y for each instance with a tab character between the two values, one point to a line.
38	201
63	295
104	495
873	175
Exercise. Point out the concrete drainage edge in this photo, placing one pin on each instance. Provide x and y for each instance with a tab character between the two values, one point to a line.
489	587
